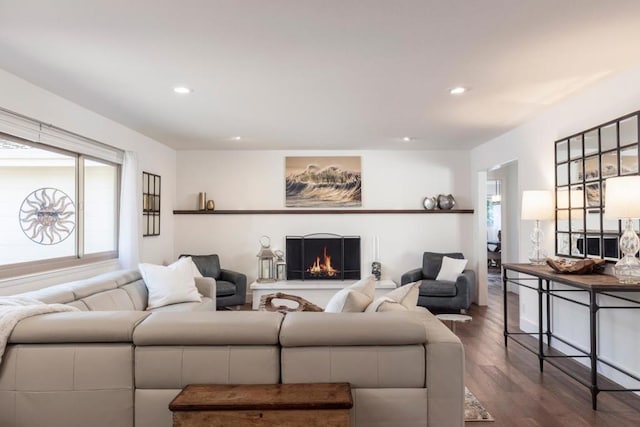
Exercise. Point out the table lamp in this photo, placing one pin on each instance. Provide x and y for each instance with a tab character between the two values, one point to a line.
622	201
537	206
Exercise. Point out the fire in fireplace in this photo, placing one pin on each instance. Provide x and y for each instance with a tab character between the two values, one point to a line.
322	267
323	257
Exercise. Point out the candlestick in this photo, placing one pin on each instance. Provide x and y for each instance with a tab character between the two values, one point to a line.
376	248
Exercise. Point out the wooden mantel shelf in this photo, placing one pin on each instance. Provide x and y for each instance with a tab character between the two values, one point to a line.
322	211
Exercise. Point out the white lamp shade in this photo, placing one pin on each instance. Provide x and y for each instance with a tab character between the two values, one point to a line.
622	197
537	205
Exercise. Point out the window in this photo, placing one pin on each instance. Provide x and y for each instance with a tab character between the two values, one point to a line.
58	208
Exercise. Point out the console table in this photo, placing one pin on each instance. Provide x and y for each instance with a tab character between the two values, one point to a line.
318	292
541	278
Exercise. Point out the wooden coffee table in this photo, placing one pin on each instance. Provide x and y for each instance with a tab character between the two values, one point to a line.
297	405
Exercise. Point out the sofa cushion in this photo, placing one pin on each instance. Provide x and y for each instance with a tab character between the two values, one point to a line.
209	328
360	365
112	300
171	284
432	261
173	367
59	294
138	294
354	298
438	288
79	304
224	288
78	326
207	304
304	329
451	268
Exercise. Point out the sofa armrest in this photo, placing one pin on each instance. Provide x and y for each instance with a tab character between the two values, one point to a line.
206	286
238	279
411	276
466	285
444	373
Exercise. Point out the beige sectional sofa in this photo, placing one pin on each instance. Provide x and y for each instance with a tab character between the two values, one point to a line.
115	364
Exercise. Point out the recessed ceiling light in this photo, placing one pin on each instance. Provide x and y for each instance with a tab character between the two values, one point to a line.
182	90
407	139
458	90
237	138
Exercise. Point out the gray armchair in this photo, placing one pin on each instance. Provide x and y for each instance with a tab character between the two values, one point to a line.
442	295
231	286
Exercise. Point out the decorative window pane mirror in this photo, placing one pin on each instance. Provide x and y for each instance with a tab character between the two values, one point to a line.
583	162
150	204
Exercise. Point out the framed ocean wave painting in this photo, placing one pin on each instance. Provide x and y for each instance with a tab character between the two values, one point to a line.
323	182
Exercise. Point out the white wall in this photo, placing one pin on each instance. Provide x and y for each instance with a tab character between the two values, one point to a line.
532	145
255	180
22	97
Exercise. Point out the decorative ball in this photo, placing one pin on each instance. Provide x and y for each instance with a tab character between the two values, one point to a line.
446	201
430	203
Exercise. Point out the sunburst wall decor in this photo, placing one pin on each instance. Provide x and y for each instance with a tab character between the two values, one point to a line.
47	216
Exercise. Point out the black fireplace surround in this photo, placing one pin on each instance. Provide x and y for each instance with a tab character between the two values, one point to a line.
323	256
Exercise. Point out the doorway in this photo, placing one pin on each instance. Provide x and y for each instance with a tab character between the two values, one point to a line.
497	214
494	229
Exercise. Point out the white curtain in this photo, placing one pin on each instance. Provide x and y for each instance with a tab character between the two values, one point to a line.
130	208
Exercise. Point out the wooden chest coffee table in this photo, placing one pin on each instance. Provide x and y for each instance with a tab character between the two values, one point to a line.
291	405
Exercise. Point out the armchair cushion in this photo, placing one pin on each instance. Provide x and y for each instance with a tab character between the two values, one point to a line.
438	288
432	262
224	288
451	268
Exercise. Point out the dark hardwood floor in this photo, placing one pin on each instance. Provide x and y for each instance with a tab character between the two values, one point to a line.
507	381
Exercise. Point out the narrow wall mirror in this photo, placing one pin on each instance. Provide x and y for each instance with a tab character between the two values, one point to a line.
150	204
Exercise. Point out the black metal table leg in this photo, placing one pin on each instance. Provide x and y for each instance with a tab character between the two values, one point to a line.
593	327
548	293
504	304
540	347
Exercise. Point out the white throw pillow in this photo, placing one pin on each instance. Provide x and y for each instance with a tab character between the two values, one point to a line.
354	298
194	267
384	303
171	284
451	268
400	299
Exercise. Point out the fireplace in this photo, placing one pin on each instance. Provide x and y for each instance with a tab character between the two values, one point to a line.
323	257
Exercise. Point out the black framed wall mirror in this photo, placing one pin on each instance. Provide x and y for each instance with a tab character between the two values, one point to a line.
583	162
150	204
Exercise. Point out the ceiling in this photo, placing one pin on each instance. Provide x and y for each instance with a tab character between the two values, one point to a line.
324	74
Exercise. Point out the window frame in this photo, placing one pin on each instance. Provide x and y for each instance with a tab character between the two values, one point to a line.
80	258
